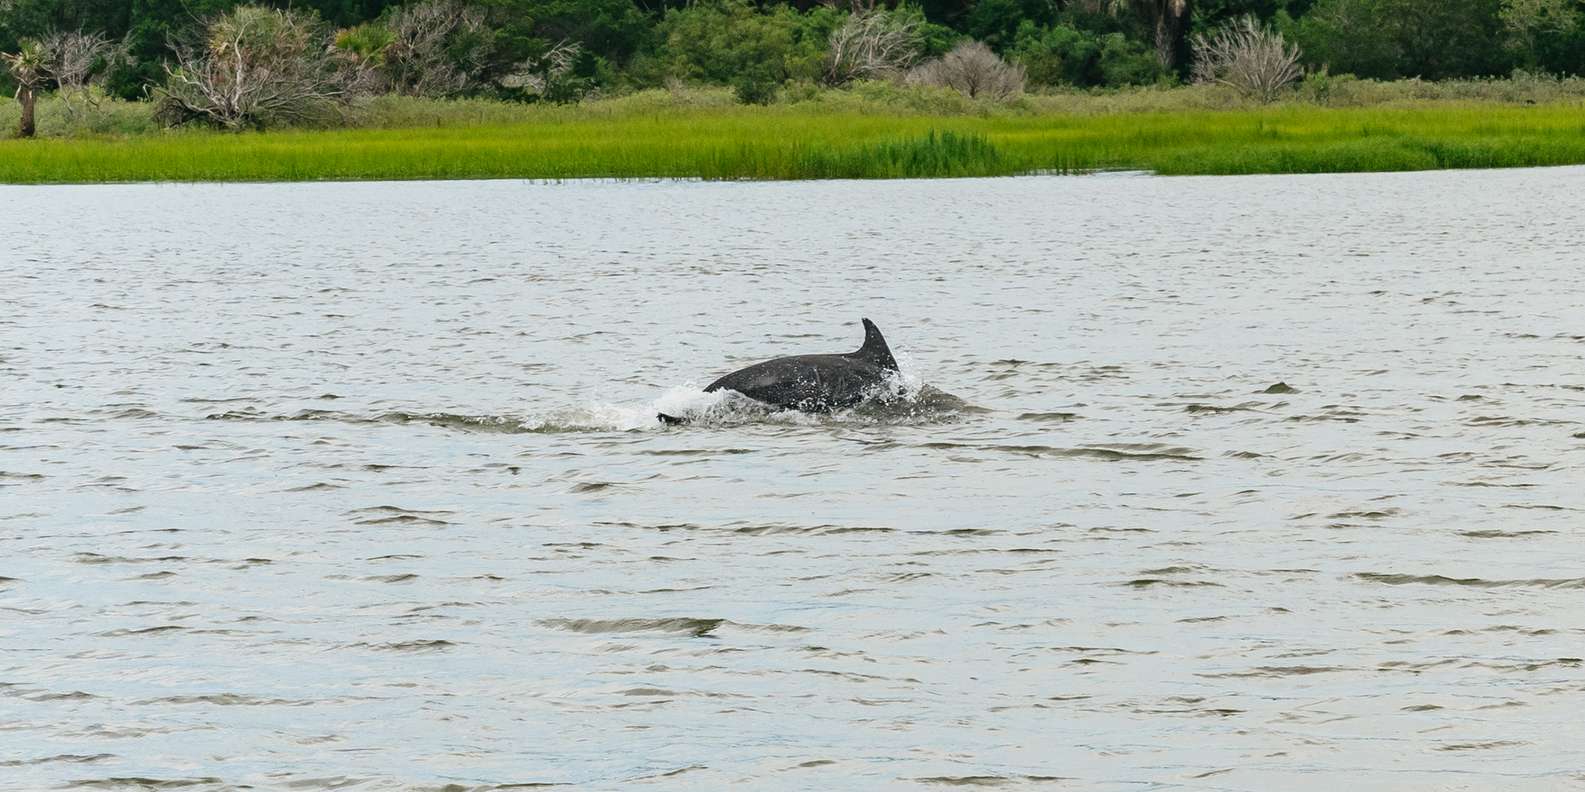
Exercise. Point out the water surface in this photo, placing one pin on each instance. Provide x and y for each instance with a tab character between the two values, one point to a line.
1256	483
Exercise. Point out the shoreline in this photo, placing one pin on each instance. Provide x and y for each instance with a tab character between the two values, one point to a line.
645	138
676	180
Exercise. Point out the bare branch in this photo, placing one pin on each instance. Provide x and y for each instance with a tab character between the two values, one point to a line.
872	44
540	75
438	48
72	56
1247	56
257	66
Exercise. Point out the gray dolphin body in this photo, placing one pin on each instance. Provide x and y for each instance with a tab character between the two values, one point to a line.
814	383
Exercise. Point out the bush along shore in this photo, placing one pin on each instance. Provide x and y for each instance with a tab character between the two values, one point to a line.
864	131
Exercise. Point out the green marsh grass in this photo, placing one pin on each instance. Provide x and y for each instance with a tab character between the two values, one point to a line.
653	136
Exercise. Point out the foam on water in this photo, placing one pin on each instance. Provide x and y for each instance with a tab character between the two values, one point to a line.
892	401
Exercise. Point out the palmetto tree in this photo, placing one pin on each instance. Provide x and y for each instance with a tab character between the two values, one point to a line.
1167	16
29	66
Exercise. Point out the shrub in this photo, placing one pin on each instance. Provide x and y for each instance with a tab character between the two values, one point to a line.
109	116
366	42
873	44
255	67
972	69
882	97
1248	57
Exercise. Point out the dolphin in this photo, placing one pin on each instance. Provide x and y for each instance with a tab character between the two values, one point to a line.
813	383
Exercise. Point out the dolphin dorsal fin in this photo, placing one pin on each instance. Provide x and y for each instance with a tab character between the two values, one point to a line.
875	349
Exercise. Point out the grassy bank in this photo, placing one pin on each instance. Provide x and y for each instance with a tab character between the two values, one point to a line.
701	134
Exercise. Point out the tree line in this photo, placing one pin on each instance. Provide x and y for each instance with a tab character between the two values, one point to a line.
311	54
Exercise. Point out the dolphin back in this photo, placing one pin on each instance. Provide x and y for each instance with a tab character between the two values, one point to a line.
816	383
811	383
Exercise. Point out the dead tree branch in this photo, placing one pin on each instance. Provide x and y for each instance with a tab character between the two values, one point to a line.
1255	61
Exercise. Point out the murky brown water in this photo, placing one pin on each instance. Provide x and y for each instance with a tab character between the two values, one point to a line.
357	486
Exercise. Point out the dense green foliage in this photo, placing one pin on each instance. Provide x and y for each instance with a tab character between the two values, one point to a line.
733	43
1066	55
757	46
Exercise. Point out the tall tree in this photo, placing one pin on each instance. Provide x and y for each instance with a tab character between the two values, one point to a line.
1546	34
1388	39
1168	18
29	68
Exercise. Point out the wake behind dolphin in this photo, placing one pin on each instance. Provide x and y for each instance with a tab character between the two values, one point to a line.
814	383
